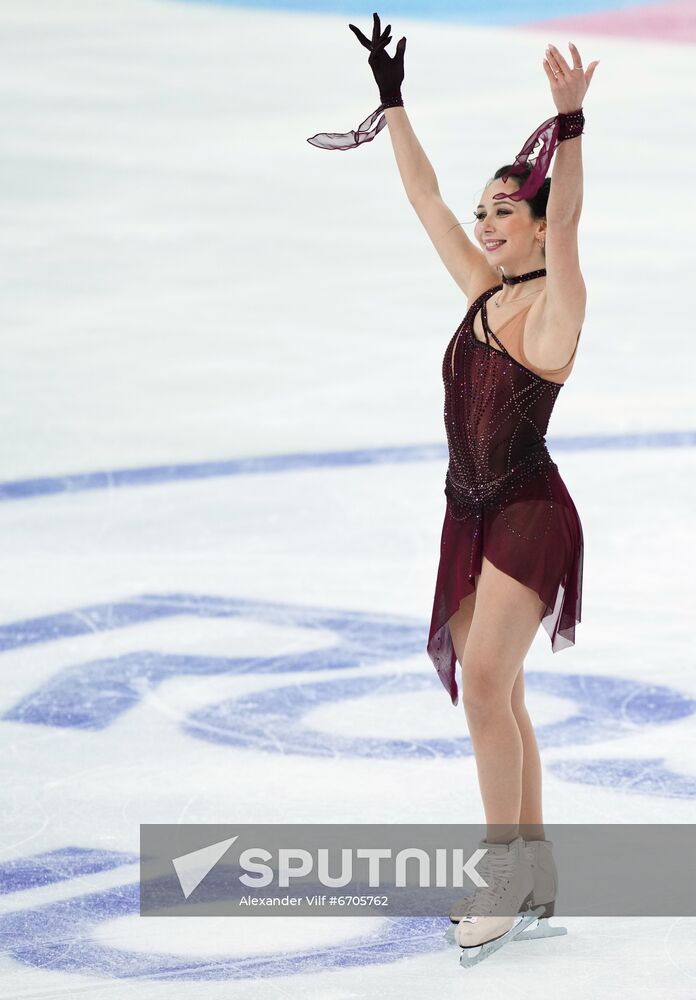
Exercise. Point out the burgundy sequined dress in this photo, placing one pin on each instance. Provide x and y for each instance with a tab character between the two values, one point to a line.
505	496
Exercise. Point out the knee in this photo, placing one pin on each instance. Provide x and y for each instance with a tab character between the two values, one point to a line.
519	708
483	694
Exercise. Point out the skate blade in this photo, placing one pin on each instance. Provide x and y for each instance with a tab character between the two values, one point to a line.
539	929
476	954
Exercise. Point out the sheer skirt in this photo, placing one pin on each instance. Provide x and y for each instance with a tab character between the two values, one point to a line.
535	536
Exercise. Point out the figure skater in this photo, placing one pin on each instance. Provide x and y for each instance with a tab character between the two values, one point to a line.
511	553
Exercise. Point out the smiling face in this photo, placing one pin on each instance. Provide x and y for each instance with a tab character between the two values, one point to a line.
507	232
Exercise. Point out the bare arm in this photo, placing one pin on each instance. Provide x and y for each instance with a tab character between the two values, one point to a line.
565	292
465	262
414	166
565	197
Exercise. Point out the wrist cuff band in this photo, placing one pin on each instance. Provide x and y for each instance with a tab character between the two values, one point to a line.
571	124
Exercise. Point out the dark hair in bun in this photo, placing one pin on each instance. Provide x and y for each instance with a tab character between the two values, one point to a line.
538	203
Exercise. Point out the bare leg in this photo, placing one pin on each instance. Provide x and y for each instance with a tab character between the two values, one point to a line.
505	620
460	623
531	821
531	816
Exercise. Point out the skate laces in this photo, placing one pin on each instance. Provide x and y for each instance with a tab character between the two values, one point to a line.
495	869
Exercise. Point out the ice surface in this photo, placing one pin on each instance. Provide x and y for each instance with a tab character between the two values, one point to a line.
187	281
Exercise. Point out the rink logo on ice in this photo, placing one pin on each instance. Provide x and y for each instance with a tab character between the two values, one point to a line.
415	870
89	694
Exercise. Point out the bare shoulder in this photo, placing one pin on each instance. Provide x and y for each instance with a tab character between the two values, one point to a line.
482	279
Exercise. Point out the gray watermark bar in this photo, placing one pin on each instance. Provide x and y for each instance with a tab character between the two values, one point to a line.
244	869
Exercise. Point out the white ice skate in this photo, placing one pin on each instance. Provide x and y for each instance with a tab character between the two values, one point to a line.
545	888
494	913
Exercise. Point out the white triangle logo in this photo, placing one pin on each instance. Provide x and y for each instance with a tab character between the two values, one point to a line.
192	868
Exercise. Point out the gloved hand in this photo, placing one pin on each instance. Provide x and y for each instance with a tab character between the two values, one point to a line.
387	71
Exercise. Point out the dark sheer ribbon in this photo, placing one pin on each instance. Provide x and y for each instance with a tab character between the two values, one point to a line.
564	125
365	132
547	135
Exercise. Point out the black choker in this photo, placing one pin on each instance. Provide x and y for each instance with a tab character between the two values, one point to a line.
524	277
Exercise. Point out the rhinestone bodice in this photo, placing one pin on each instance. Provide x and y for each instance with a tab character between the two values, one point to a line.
496	415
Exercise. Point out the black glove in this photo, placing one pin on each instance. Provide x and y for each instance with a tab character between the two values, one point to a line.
387	71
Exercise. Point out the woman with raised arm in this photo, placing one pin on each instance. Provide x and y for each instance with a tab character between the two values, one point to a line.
511	554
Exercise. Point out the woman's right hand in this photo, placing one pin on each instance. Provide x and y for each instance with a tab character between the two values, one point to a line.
387	71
